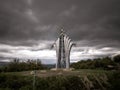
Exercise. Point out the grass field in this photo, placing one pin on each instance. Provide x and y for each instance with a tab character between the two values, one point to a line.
48	73
83	79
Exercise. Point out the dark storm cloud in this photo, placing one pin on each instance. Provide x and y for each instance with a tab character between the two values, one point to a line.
18	22
36	24
83	19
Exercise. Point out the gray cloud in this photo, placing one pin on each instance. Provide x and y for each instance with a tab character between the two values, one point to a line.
36	23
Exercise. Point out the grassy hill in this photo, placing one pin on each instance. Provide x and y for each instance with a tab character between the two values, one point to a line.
49	73
88	75
83	79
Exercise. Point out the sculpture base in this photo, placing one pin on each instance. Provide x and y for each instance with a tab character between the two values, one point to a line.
62	69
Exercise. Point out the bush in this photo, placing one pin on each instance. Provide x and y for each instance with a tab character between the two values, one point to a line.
100	63
114	80
16	66
86	82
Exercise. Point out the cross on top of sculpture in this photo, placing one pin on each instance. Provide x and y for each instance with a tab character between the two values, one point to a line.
62	31
63	47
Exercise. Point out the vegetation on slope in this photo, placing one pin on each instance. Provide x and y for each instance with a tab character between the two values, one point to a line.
11	79
104	81
16	66
100	63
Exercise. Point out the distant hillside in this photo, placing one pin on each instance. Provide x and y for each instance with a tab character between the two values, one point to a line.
49	66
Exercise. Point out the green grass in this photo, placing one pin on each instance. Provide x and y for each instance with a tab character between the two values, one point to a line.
48	73
83	79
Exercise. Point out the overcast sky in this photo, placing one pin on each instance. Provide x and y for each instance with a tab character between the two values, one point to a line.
28	28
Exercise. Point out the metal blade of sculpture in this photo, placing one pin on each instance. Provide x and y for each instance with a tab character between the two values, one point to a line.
63	47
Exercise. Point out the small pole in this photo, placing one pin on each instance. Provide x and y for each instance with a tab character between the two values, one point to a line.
34	80
34	76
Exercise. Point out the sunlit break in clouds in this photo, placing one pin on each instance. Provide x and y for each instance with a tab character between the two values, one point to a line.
28	28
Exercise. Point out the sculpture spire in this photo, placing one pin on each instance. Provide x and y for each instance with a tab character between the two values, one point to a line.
63	47
62	31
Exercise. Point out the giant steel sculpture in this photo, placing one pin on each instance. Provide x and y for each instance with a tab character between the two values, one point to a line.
63	47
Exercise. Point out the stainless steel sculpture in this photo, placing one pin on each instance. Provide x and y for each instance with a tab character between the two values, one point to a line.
63	47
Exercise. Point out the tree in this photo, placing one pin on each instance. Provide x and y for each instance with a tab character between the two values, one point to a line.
116	59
